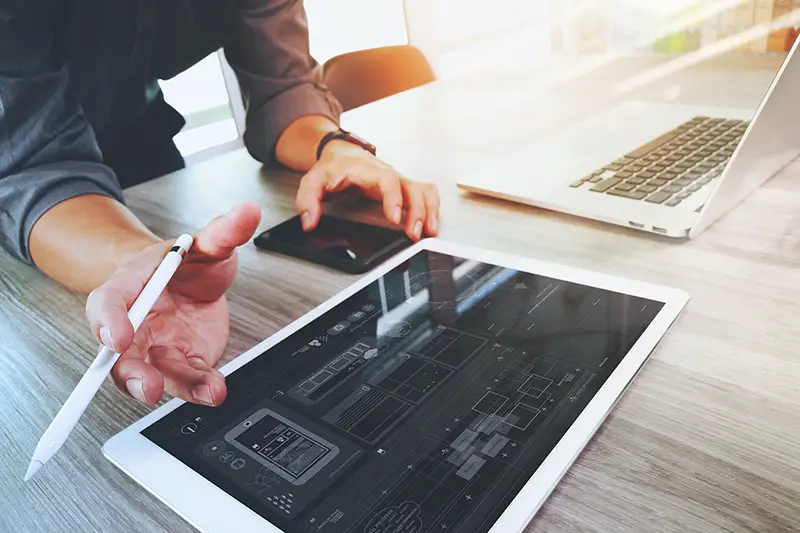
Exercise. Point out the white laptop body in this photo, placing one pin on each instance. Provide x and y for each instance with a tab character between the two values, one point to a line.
544	173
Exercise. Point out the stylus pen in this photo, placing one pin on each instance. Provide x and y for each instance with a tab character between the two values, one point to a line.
66	419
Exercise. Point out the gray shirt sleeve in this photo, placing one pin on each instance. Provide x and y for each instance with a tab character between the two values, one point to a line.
48	152
280	81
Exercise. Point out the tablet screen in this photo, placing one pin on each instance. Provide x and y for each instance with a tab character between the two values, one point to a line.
422	403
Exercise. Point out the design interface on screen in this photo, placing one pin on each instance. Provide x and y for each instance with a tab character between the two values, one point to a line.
423	403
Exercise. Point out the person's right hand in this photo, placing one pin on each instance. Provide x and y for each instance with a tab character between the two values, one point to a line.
181	340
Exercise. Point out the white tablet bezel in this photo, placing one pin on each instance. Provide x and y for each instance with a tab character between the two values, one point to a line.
212	510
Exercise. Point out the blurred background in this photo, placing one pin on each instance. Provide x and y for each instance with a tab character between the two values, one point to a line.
461	37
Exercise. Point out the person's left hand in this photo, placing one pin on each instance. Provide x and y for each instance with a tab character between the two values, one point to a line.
344	165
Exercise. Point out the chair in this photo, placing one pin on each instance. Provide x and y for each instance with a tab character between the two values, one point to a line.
355	78
365	76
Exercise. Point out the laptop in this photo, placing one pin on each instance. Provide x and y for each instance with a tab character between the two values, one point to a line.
660	167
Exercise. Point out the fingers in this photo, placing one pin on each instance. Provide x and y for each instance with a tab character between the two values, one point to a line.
220	238
189	378
431	194
422	201
415	203
309	197
392	195
133	376
107	306
378	181
107	311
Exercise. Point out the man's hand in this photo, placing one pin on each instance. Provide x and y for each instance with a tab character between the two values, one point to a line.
181	340
344	165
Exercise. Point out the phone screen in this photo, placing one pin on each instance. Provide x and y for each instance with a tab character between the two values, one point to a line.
341	241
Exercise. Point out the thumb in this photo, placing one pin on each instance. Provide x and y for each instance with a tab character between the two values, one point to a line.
309	197
220	238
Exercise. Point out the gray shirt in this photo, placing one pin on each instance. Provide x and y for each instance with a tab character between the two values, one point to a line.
80	102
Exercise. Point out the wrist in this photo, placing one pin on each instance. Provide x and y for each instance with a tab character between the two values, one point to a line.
342	141
127	246
297	146
342	147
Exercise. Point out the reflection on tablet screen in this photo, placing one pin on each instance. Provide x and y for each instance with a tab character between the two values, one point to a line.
422	403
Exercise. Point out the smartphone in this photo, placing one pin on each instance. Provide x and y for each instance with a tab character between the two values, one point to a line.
352	247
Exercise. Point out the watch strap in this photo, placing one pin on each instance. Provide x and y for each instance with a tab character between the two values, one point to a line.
344	135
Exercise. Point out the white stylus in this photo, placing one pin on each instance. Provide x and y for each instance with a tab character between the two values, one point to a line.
66	419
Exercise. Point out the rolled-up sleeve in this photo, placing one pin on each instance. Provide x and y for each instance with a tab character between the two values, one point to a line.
48	151
280	81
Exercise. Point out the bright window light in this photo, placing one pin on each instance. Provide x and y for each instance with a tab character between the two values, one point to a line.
200	95
348	25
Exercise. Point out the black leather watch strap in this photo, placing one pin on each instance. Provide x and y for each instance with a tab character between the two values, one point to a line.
344	135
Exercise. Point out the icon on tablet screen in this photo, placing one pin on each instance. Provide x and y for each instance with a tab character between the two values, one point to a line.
189	429
358	315
338	328
212	449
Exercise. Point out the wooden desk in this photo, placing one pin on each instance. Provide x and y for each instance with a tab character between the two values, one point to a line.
706	439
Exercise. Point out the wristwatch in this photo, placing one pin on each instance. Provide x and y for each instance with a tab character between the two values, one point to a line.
344	135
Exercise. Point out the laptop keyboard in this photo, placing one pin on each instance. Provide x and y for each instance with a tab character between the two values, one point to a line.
672	167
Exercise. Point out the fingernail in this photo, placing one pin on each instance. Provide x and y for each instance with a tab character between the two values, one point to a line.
198	363
417	229
306	219
396	214
434	223
105	336
134	386
202	394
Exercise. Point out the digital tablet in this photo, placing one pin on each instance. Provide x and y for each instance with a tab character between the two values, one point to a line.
448	390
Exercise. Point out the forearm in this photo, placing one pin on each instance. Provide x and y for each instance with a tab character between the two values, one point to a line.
80	242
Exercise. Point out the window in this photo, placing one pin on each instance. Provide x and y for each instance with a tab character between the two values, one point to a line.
337	27
462	36
199	94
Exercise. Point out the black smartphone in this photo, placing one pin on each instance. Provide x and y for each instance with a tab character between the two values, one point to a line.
353	247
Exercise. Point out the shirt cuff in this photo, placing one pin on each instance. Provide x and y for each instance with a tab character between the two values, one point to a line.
265	126
56	193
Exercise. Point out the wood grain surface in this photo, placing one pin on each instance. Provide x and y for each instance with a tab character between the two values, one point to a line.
706	439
